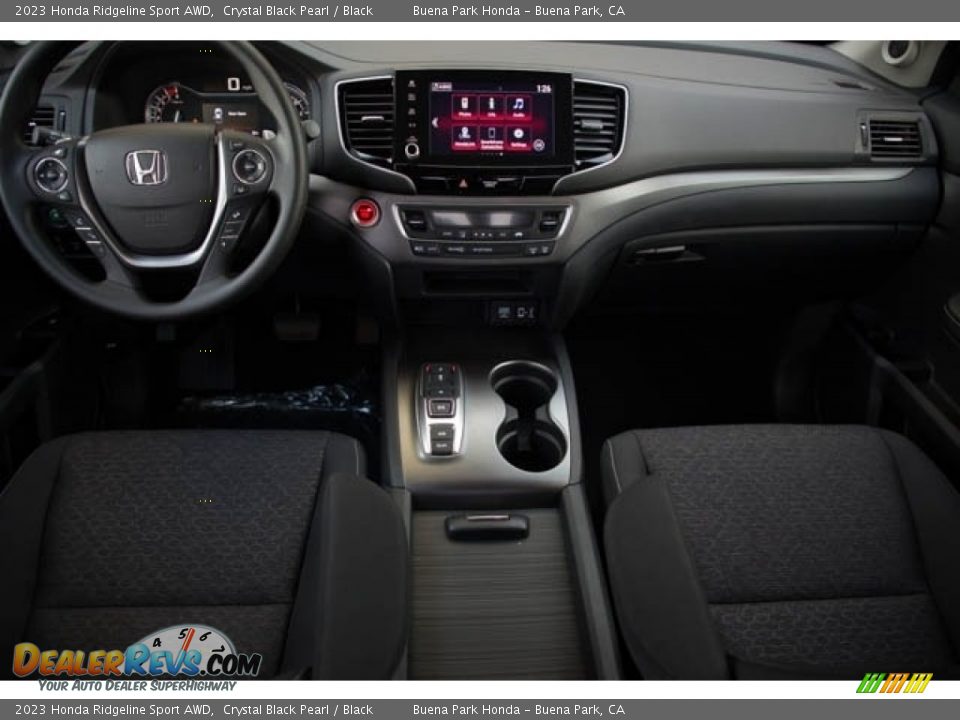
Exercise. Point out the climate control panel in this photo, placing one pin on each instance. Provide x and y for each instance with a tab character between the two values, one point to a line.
487	232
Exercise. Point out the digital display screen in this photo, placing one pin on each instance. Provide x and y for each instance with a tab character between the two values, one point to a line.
242	116
512	118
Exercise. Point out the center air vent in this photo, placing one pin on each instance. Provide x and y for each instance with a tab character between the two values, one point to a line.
895	139
43	116
367	117
598	121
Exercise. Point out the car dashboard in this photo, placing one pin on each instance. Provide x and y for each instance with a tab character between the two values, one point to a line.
523	179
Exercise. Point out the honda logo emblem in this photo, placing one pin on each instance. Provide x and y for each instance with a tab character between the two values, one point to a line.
146	167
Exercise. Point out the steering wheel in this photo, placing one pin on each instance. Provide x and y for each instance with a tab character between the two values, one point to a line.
153	199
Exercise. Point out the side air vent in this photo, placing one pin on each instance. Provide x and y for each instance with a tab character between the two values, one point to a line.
895	139
367	113
598	120
43	116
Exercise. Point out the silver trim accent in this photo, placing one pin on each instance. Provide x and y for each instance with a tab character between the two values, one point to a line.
339	118
623	128
66	174
166	261
424	421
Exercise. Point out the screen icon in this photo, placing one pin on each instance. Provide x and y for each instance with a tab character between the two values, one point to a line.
518	138
464	106
491	137
519	107
491	106
465	137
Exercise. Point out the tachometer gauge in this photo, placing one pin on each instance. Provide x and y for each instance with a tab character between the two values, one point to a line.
300	100
164	104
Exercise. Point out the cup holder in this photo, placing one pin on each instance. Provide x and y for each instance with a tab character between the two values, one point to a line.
528	438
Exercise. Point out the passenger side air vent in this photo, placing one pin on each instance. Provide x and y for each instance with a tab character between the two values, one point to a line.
598	120
367	113
43	116
895	139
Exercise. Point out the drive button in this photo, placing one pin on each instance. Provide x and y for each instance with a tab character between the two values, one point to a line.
441	447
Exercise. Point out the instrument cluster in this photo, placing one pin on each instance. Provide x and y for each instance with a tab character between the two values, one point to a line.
227	101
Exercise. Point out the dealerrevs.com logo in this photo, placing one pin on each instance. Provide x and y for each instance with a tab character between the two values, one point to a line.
180	650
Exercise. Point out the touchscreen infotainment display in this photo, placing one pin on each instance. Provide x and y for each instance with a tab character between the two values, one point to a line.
515	117
452	120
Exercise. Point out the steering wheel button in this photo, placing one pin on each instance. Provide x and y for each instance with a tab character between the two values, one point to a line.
76	219
249	166
97	248
227	242
88	235
50	175
238	214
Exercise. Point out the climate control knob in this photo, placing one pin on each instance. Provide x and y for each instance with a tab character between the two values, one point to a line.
249	166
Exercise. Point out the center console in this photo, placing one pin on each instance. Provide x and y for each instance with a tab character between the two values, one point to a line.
484	446
453	194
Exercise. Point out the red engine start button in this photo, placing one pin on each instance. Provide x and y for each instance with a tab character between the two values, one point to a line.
365	213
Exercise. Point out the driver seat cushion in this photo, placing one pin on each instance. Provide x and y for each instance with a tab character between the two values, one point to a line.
119	534
781	551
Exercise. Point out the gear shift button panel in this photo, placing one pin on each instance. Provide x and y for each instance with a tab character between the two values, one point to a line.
440	409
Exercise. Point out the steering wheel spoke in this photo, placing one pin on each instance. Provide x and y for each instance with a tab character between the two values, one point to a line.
117	273
55	177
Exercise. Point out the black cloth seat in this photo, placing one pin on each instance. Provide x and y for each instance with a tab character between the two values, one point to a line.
782	552
274	538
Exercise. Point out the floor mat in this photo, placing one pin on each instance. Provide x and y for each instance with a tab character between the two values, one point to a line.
349	407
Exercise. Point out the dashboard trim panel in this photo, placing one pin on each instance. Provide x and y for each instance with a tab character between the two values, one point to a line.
589	215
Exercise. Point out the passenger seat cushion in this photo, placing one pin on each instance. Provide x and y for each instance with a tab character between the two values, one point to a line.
146	530
803	539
